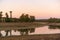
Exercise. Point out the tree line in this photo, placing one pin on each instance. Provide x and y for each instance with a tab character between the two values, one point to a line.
23	18
54	20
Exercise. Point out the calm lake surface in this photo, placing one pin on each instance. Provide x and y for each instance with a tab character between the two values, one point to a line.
39	30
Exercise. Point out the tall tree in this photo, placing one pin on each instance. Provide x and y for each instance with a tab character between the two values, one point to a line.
10	14
7	20
7	17
1	16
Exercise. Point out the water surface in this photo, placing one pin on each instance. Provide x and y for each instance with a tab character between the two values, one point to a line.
38	30
45	30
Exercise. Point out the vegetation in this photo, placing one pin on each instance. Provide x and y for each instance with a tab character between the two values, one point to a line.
32	18
23	18
1	16
54	20
10	14
7	18
27	18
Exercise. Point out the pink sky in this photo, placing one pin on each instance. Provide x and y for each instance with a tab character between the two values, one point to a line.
38	8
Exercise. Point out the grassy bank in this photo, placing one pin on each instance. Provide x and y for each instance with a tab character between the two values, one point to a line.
33	37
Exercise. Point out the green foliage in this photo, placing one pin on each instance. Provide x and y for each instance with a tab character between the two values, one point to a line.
27	18
52	20
32	18
7	19
0	16
22	18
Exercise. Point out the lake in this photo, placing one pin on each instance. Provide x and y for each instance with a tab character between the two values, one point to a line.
38	30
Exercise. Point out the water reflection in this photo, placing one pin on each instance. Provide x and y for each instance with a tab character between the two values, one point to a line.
54	26
39	30
45	30
13	33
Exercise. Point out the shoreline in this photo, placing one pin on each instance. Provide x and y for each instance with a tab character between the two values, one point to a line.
33	37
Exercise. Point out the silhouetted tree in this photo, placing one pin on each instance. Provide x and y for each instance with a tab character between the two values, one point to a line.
1	16
10	14
22	18
7	18
32	18
7	15
27	18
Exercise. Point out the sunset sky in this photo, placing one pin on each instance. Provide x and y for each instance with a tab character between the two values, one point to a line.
39	8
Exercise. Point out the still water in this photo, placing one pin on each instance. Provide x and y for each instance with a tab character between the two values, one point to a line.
39	30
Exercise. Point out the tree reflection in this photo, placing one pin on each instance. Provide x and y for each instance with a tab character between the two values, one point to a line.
54	27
